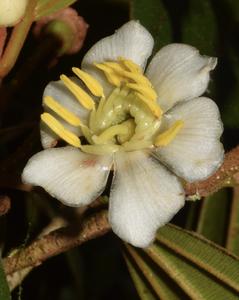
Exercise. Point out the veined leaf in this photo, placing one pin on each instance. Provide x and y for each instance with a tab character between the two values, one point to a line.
213	217
198	285
4	289
47	7
233	231
202	253
153	15
163	286
199	268
140	285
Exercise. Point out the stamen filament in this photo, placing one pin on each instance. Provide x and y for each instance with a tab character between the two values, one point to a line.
113	78
137	77
167	136
60	130
93	85
84	99
153	106
146	91
130	65
62	111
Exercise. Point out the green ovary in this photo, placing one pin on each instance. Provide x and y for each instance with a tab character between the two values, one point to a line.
128	119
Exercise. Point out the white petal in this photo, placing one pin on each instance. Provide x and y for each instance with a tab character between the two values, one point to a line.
131	41
196	151
48	138
73	177
144	197
178	72
61	94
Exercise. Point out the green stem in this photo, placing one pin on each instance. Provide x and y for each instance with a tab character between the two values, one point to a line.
17	40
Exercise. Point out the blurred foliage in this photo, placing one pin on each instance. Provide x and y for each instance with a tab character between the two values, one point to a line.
97	271
4	290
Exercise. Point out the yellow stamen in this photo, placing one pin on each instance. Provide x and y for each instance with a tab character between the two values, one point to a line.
137	77
60	130
93	85
145	90
130	65
153	106
111	76
120	71
115	66
79	93
62	111
167	136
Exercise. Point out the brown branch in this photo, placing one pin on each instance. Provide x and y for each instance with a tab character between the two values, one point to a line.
57	242
226	175
16	278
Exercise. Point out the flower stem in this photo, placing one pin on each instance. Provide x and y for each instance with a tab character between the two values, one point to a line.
57	242
17	40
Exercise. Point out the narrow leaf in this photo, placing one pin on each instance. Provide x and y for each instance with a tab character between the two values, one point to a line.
160	283
198	284
4	289
233	230
140	284
203	253
213	217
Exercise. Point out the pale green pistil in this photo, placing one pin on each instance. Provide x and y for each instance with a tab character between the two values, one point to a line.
129	119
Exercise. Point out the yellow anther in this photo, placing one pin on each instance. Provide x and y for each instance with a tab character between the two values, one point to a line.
167	136
60	130
62	111
145	90
137	77
130	65
115	66
93	85
84	99
111	76
153	106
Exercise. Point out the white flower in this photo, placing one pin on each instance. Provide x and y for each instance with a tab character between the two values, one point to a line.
11	11
136	125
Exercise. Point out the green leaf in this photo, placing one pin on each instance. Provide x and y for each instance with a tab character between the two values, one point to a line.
4	289
140	285
202	253
199	27
213	217
47	7
233	231
196	266
158	280
198	284
153	15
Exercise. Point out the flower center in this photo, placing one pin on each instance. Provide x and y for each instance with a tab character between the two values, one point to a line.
128	119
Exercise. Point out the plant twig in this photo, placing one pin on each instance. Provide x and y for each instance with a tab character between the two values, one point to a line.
16	278
57	242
